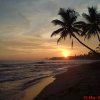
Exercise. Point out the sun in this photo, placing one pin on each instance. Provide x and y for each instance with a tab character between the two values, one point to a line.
65	53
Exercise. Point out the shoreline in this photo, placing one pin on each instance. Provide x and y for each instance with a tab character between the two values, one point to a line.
74	84
31	92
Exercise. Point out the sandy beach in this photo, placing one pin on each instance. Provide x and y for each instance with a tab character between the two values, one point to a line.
74	84
77	83
31	92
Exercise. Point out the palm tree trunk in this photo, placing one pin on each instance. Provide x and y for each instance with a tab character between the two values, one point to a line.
98	37
85	45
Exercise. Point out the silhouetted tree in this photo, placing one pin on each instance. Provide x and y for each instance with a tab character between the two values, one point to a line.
69	26
92	25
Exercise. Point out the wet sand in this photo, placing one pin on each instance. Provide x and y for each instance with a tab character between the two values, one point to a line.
31	92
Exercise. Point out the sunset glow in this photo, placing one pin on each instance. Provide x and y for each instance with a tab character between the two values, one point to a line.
65	53
25	29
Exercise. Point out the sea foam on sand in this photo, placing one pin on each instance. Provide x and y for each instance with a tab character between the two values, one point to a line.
31	92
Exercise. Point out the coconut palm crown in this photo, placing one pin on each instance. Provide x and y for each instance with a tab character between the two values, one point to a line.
68	18
92	25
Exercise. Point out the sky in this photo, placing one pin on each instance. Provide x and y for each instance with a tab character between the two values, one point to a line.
25	29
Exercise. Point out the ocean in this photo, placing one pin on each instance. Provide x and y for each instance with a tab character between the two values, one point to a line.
15	76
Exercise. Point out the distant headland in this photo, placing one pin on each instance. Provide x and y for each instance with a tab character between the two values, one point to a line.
78	57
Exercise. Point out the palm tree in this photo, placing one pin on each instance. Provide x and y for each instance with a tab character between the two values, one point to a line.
68	26
92	25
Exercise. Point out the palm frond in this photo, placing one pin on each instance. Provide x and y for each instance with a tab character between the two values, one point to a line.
59	39
87	17
57	32
90	32
92	16
68	15
77	31
63	35
58	22
92	11
85	29
79	24
72	44
63	14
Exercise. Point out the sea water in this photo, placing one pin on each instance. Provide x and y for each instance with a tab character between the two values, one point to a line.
17	75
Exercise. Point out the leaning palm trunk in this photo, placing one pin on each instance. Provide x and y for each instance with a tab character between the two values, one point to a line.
85	45
98	37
